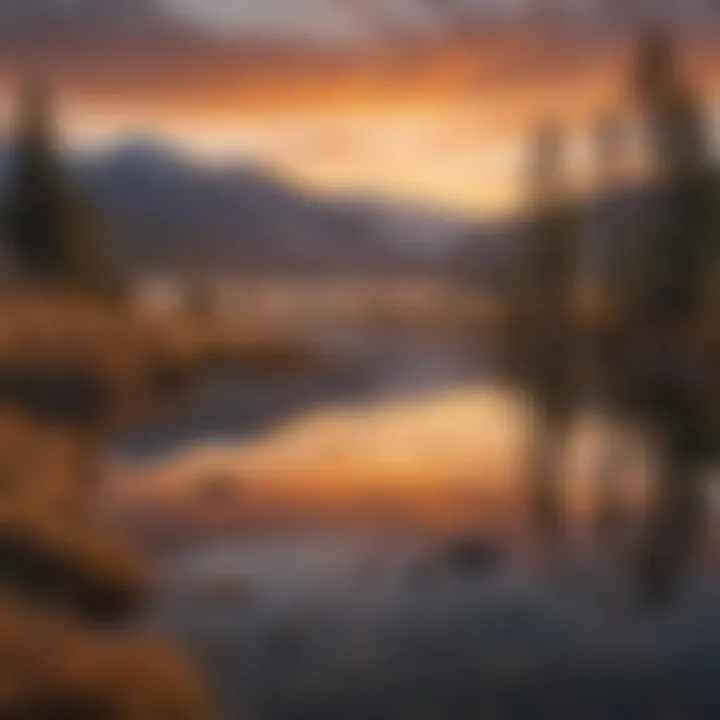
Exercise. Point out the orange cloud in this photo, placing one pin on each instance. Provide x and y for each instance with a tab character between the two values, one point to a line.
184	73
440	121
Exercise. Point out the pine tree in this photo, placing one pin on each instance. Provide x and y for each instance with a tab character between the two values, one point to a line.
53	233
550	267
681	235
545	300
675	399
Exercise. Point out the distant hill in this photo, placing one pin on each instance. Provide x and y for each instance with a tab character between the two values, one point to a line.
168	213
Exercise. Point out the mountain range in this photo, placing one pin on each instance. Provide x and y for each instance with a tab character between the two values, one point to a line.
166	213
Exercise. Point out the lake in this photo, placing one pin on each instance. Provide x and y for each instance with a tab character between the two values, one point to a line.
406	577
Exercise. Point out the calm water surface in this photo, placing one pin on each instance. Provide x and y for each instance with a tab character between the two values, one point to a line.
313	623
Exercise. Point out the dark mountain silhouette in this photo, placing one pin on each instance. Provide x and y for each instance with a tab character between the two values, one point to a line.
168	213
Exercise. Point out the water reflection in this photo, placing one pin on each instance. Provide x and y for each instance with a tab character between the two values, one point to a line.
300	616
648	361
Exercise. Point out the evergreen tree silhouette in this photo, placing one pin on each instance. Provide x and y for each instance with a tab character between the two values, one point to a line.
53	233
677	375
550	272
681	237
605	347
544	343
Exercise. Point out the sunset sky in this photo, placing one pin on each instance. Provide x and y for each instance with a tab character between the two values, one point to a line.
424	100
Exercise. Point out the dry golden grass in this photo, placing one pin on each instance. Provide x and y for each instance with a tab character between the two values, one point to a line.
49	560
51	667
71	371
